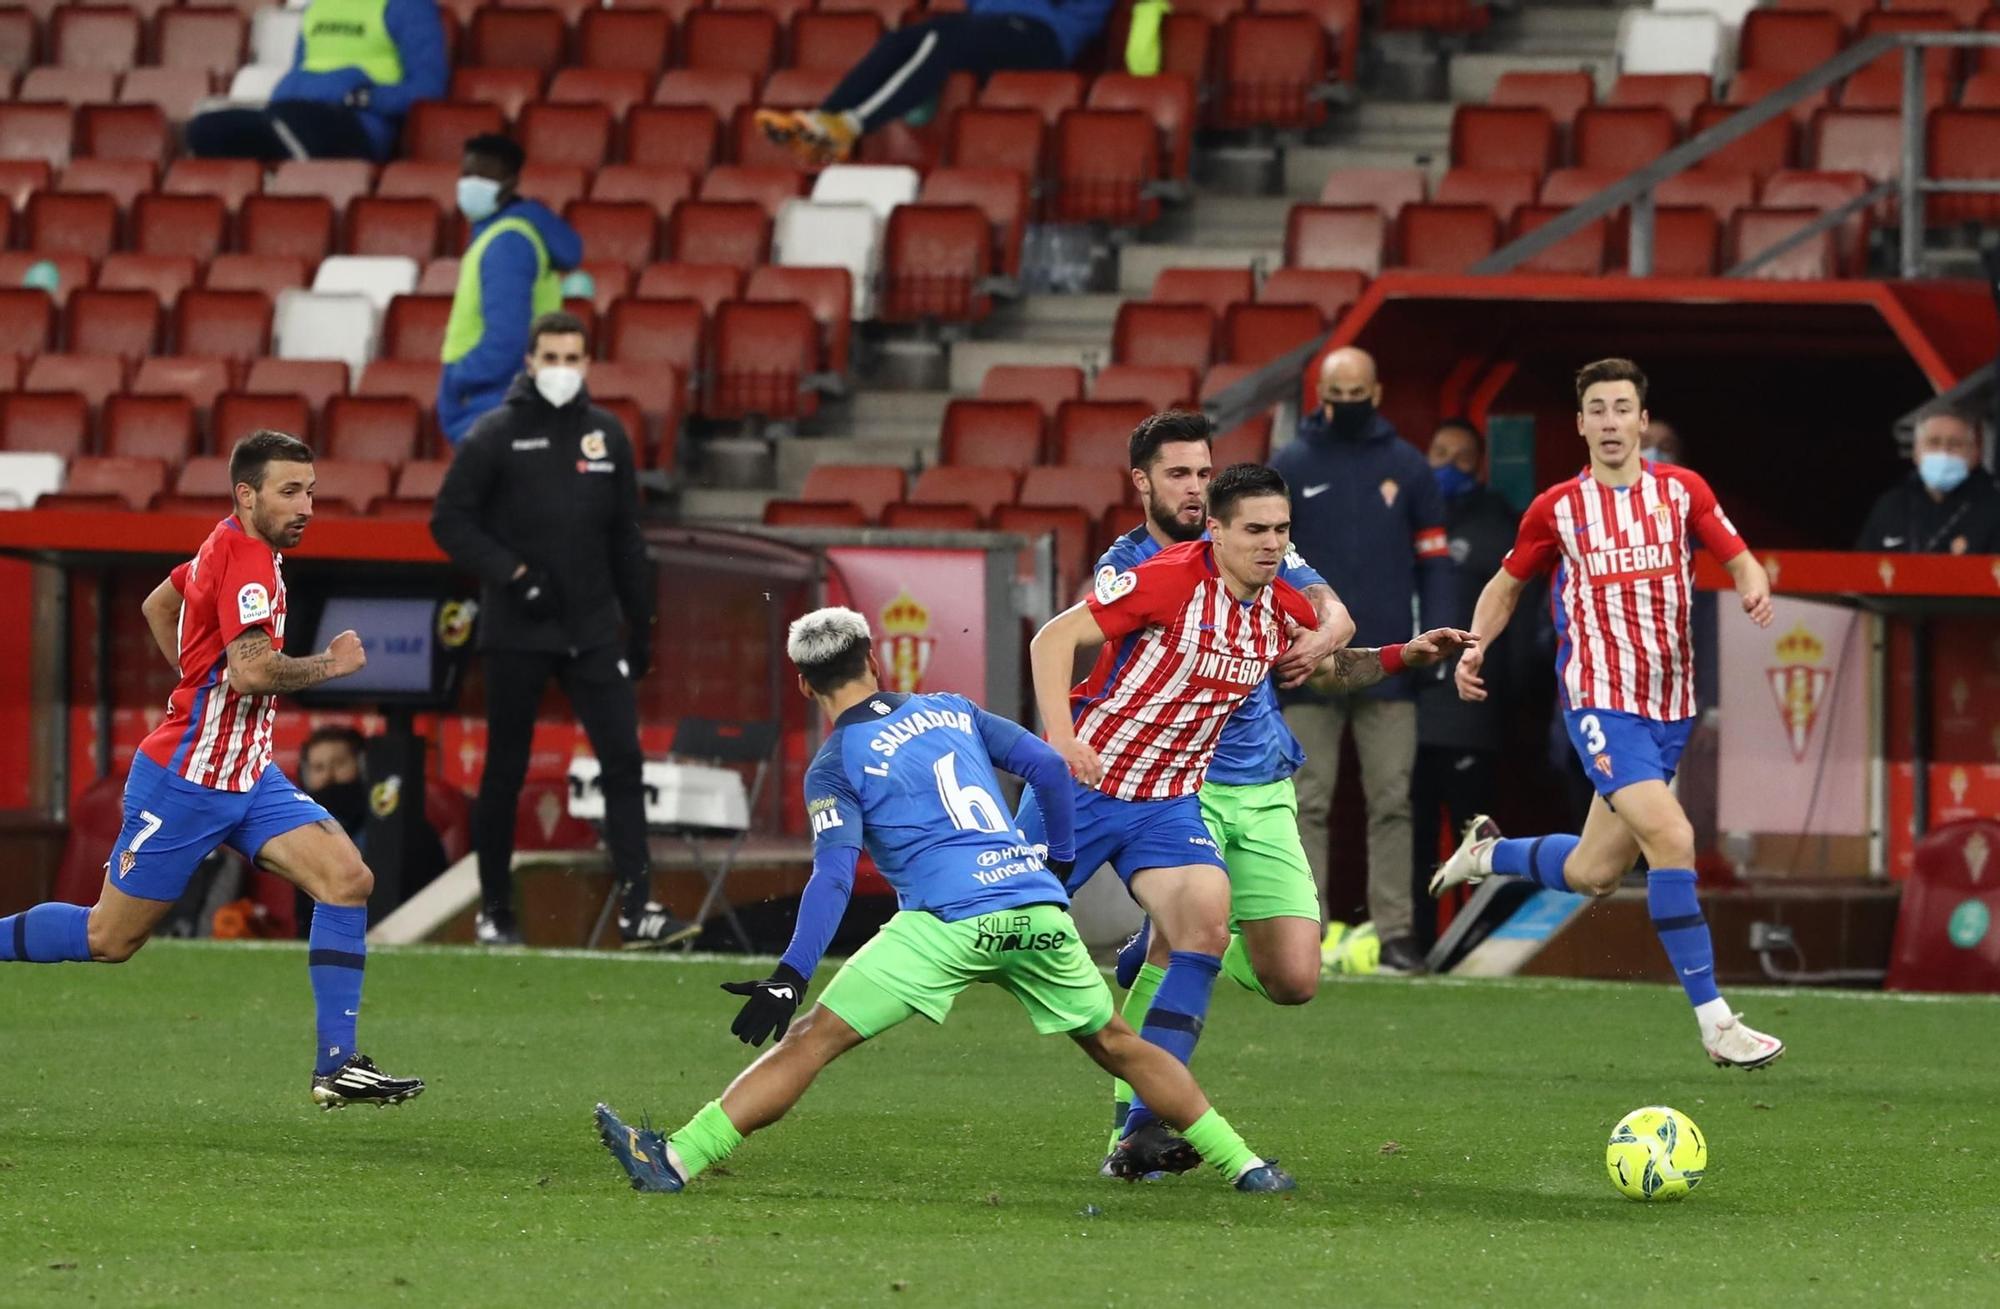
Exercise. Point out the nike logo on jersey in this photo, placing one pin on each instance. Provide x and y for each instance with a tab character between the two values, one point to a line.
1311	491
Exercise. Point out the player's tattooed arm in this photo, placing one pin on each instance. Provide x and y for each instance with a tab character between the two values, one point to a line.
1348	670
257	669
163	619
1351	670
1309	649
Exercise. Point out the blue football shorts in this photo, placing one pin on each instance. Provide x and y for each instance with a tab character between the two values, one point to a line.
1618	749
172	824
1130	835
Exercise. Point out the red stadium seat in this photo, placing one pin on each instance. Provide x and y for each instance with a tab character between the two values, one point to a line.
980	489
267	273
1760	152
355	483
72	273
295	226
208	39
136	131
657	332
911	517
1105	162
1095	486
514	38
993	433
577	135
415	380
17	40
1096	434
1881	81
1788	42
1680	94
828	293
1503	136
711	232
21	178
1166	99
413	328
869	487
1069	525
935	260
205	476
123	323
1849	12
1721	193
768	188
1046	385
1686	241
789	88
890	12
1260	333
659	393
1218	288
226	324
1503	190
436	130
1271	66
1572	186
1332	291
622	231
730	40
158	427
374	428
1823	191
1340	20
1756	230
555	185
231	180
1982	91
706	284
52	423
922	146
419	180
1563	94
1987	59
74	87
94	37
200	378
421	479
1049	94
1386	189
394	225
318	380
1881	87
814	513
721	91
36	131
1157	386
998	138
59	223
659	189
237	414
1579	255
124	180
679	137
765	355
1961	145
1439	238
1622	139
1337	236
133	481
636	39
1000	194
164	276
175	92
783	10
185	225
1178	335
833	41
1753	84
1865	141
509	90
616	90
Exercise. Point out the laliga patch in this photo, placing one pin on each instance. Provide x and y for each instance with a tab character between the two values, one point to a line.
1112	584
253	603
593	445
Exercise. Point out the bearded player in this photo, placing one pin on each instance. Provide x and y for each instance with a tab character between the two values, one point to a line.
1191	633
204	777
1621	536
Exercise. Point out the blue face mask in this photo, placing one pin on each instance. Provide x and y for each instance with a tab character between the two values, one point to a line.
1453	481
1942	473
478	198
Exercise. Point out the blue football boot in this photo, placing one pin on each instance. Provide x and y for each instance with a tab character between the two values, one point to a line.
642	1152
1132	955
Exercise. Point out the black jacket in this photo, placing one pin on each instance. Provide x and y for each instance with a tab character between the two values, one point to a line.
1906	519
554	489
1479	528
1367	514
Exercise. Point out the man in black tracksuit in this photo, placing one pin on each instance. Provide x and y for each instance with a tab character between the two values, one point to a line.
542	504
1366	512
1948	504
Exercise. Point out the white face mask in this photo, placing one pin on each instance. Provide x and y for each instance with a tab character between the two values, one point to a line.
558	385
478	197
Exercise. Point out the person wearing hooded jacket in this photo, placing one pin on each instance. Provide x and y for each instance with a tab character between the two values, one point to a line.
541	503
511	274
1948	504
1366	510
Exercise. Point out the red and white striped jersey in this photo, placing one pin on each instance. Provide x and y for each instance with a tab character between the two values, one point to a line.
1624	561
1182	652
214	735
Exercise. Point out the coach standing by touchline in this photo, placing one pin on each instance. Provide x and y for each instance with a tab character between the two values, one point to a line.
542	503
1366	511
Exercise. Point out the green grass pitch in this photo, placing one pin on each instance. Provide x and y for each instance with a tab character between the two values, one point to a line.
157	1147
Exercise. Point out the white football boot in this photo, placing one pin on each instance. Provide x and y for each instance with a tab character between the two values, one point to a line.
1470	864
1736	1044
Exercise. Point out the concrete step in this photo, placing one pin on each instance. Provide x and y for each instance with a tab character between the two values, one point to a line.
1474	75
1395	116
1547	21
896	408
1307	168
1138	265
715	505
796	457
1053	319
971	359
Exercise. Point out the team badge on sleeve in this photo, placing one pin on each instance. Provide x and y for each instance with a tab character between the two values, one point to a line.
253	603
1111	584
593	446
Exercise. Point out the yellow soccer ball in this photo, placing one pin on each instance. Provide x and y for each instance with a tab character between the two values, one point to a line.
1349	951
1656	1153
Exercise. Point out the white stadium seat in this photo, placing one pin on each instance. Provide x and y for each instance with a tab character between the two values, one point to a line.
1650	42
815	235
316	325
26	476
253	84
379	277
879	186
274	37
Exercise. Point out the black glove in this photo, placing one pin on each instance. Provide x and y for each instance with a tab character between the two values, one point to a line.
534	595
639	652
768	1012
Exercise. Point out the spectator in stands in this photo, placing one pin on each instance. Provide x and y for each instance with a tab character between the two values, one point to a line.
1458	741
906	71
1366	511
511	275
1949	503
333	769
360	65
1660	443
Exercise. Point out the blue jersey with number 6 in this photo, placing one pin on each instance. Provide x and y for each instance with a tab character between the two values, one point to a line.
910	779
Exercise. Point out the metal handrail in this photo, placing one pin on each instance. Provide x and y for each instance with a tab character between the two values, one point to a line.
1636	188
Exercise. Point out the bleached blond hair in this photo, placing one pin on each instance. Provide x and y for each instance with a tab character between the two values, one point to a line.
830	646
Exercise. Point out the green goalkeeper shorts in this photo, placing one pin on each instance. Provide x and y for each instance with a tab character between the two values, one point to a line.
1257	830
918	963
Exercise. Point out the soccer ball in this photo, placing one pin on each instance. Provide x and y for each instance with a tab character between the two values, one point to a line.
1349	951
1656	1153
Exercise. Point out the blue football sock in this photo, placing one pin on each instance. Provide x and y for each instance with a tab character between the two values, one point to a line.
1676	912
1180	1007
1540	859
47	934
336	951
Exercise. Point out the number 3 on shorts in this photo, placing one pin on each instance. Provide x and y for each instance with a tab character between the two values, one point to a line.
1593	733
150	824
